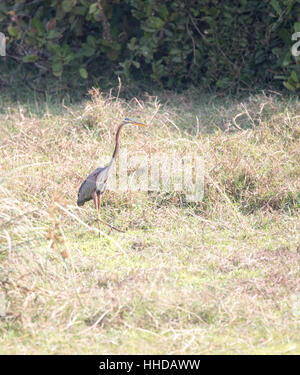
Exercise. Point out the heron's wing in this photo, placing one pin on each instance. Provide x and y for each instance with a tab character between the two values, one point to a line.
102	179
88	187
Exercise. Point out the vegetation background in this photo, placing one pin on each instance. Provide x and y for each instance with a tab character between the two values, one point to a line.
216	43
214	78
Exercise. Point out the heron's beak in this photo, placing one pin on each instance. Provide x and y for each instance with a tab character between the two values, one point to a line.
138	123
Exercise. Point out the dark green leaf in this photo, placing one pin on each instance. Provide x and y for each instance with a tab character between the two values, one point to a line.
30	58
83	73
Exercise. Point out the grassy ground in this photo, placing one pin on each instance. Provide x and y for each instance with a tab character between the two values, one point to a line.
218	277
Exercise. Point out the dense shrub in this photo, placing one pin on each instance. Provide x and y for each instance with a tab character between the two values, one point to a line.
226	43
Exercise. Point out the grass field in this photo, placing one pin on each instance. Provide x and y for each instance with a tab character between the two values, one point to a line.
219	277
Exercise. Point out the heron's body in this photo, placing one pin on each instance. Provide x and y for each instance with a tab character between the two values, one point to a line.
95	183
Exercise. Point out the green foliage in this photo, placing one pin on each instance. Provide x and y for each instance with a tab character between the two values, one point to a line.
220	43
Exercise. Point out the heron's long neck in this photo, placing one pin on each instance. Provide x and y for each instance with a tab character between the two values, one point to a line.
117	141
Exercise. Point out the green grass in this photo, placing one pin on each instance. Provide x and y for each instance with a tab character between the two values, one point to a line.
219	277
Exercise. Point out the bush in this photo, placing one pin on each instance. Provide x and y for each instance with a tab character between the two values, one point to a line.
222	43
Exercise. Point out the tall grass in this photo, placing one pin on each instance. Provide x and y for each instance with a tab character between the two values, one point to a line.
216	277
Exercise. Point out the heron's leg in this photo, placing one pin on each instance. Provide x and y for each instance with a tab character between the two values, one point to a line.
97	201
97	206
98	197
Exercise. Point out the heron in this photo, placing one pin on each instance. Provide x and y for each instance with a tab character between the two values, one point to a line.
96	182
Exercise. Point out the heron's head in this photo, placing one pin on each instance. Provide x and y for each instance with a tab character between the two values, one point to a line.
129	121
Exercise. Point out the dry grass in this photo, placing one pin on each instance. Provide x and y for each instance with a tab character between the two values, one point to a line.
219	277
